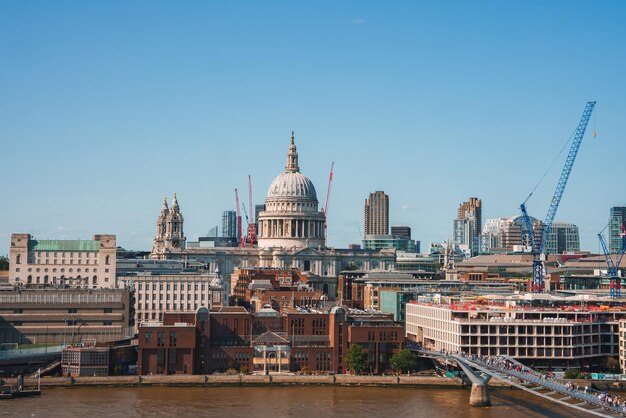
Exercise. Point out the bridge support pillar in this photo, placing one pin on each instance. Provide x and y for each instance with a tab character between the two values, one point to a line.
479	396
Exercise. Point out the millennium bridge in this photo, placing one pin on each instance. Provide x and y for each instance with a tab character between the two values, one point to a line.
479	370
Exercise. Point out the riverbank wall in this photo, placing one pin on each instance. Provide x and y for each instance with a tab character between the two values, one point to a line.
243	380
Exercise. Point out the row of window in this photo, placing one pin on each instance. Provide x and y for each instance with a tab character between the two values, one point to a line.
382	336
18	259
45	279
54	270
175	307
175	296
167	287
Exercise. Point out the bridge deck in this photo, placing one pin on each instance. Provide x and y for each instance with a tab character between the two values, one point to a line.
529	381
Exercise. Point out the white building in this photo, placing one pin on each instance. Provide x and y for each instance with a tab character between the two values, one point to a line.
75	263
560	336
157	294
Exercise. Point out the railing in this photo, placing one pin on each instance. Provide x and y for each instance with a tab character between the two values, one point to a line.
28	352
598	399
25	297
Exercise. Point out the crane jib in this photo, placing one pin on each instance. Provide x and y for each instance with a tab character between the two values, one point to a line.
537	241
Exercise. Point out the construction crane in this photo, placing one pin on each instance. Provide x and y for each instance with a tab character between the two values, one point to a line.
245	240
239	237
615	285
251	224
537	239
330	181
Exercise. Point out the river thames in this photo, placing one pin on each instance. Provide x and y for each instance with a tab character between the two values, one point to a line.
277	402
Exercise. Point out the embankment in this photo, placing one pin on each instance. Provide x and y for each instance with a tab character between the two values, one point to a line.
243	380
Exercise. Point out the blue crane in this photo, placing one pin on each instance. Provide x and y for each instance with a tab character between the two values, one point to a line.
537	239
615	284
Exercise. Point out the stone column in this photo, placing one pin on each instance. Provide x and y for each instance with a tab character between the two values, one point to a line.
479	396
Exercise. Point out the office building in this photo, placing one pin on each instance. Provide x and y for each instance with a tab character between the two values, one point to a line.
156	294
229	224
617	218
269	341
376	214
560	333
57	316
213	232
73	263
379	242
562	238
468	225
401	231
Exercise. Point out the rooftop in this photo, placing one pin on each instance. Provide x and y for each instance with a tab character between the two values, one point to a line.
63	245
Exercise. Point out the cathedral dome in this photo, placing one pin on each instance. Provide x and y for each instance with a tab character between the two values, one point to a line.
291	218
292	184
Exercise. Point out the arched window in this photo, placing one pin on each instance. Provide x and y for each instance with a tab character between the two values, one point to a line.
45	279
94	280
18	259
29	280
106	260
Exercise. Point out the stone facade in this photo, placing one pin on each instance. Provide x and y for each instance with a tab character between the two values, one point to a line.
291	218
181	293
74	263
169	233
291	235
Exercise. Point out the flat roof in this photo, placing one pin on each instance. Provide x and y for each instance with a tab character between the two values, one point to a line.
63	245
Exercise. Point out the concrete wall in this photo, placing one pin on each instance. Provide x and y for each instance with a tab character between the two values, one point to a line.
227	380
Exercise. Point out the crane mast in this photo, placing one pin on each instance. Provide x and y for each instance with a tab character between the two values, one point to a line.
615	285
537	242
251	223
239	237
330	182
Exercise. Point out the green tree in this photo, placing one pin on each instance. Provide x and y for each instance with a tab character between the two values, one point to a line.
356	359
571	374
404	361
4	263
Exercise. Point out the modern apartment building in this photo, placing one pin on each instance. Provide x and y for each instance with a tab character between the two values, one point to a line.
376	214
553	334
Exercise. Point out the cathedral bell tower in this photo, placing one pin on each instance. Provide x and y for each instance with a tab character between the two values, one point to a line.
169	235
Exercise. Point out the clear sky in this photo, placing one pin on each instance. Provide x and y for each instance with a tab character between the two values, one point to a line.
105	107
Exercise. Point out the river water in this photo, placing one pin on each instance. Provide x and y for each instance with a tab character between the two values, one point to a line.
277	402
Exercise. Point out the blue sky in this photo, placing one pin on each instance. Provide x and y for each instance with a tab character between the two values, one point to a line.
105	107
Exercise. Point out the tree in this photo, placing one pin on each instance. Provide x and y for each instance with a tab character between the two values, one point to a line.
356	359
573	374
4	263
612	364
404	361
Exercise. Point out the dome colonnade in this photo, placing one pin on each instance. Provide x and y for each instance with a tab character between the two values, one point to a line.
291	218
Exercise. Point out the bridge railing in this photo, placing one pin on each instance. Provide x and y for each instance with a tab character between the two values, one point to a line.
552	385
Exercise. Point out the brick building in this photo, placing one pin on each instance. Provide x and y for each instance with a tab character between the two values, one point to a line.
268	341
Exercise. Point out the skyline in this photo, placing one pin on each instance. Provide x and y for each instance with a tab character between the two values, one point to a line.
105	112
